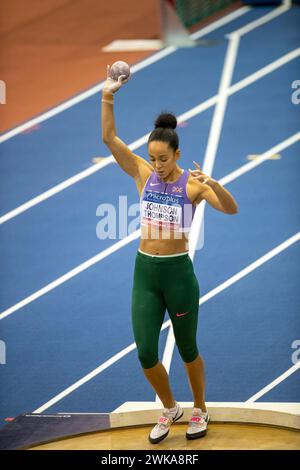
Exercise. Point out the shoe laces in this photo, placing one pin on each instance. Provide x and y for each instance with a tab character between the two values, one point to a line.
170	414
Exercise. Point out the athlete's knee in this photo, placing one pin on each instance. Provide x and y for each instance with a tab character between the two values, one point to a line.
188	352
147	357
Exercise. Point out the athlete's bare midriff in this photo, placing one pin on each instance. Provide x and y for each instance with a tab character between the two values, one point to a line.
156	247
157	242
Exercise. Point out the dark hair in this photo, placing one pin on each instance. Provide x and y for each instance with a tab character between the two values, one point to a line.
164	131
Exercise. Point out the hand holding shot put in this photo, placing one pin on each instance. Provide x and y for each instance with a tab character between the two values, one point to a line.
117	75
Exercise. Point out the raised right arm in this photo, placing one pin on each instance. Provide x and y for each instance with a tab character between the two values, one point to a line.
131	163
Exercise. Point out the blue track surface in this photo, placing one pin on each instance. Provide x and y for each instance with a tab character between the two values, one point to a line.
246	331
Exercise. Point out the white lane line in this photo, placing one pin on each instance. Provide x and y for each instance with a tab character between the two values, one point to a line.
262	158
69	275
135	68
202	300
251	267
275	382
215	134
221	22
56	189
143	140
220	108
264	71
118	245
212	147
249	80
87	378
261	21
208	164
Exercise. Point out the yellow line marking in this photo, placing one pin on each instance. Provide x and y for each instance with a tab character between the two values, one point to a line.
276	156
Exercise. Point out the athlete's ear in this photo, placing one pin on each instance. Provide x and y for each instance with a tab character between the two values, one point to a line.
177	154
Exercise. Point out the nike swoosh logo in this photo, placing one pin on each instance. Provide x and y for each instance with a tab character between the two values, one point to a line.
181	314
154	184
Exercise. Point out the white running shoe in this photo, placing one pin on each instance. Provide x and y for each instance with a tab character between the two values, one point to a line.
162	428
198	424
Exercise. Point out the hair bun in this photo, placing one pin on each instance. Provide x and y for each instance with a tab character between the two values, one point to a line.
166	120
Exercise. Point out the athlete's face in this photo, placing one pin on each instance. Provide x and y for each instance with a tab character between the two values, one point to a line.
162	157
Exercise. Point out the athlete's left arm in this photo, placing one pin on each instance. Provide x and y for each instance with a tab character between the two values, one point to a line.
218	197
213	192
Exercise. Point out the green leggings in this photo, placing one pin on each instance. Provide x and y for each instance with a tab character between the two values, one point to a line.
160	284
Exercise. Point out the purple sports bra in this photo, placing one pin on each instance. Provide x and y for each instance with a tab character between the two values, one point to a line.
166	205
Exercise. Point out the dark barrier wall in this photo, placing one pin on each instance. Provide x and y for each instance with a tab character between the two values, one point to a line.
267	2
261	2
192	11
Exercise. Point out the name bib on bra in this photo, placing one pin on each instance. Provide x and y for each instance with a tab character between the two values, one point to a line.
162	210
